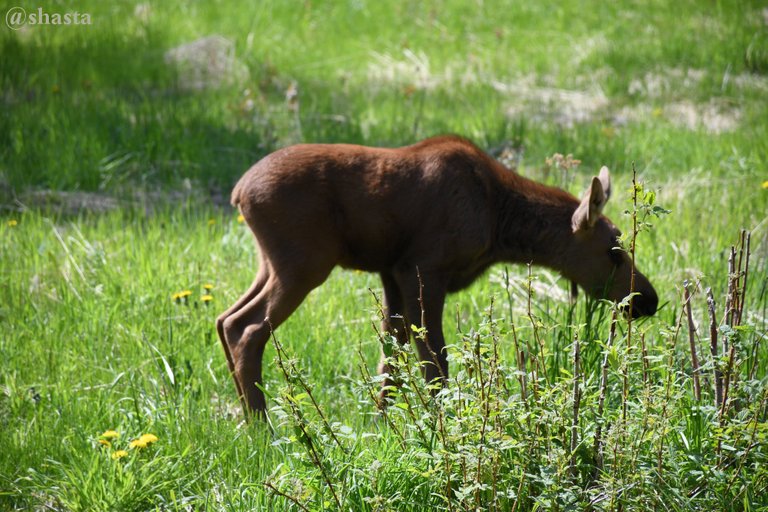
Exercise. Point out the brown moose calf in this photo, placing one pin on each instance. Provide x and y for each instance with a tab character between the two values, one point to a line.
429	218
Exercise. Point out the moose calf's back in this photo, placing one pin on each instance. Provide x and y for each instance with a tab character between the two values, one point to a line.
375	208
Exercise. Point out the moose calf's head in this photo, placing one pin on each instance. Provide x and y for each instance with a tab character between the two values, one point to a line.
597	261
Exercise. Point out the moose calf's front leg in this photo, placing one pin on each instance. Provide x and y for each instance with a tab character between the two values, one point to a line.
395	325
424	297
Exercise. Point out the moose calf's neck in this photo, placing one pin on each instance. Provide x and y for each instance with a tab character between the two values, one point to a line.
534	224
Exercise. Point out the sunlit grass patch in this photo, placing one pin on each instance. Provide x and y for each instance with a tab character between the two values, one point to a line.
118	250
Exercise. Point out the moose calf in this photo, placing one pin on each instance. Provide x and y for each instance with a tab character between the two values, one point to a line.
428	218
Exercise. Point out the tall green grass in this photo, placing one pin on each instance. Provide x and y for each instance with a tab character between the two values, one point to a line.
96	106
94	338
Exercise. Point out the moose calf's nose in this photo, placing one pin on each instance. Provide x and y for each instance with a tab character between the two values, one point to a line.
645	304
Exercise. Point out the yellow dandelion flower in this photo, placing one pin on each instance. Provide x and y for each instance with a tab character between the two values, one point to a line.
206	298
148	438
765	185
240	218
106	443
138	443
12	223
110	434
181	295
119	454
208	286
211	222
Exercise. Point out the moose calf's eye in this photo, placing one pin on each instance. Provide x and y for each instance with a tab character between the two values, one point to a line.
615	252
615	255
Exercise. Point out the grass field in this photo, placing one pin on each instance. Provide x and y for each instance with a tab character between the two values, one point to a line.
118	148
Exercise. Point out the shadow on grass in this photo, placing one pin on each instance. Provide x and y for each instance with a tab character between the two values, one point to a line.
107	111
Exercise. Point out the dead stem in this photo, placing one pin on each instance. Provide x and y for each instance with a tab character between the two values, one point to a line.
746	236
598	446
713	347
692	342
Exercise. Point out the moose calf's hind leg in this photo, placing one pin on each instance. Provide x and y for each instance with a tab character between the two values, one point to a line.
248	330
248	355
256	286
245	339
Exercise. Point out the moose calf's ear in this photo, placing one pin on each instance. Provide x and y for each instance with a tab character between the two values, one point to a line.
605	180
591	205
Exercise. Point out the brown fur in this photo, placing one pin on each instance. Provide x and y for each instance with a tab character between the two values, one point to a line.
429	218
